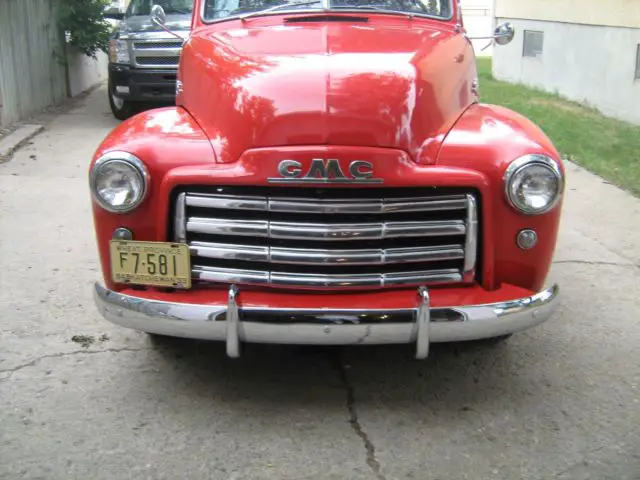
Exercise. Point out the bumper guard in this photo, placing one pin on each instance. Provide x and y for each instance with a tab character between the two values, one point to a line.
232	323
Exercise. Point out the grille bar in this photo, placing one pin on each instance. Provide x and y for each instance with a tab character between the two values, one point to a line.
152	45
221	226
324	231
471	243
346	206
339	239
158	61
257	277
158	52
300	256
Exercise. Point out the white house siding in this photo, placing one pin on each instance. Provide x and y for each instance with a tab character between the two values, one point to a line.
612	13
589	52
594	65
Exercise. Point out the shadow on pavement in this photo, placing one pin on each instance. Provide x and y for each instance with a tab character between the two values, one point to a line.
457	376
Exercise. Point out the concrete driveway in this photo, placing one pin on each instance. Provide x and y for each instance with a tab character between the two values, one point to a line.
559	402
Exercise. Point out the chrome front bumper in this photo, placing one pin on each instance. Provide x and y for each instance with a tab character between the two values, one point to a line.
234	324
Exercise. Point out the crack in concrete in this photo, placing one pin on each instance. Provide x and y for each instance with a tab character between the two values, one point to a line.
609	249
35	361
587	262
579	462
354	421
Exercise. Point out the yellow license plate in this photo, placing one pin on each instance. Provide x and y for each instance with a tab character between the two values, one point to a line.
151	263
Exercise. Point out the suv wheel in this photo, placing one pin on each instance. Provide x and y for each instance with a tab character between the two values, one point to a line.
121	109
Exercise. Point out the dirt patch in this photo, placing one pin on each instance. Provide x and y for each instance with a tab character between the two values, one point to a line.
84	340
87	340
18	138
4	131
562	105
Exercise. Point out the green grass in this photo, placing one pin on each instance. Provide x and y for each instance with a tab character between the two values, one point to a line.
607	147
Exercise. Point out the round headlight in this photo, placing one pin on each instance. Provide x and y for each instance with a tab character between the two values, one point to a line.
533	184
119	181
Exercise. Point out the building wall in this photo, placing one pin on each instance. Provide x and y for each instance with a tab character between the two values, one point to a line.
32	73
31	77
589	54
615	13
478	21
594	65
85	72
121	4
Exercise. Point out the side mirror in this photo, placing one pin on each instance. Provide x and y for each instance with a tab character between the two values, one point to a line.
504	33
158	16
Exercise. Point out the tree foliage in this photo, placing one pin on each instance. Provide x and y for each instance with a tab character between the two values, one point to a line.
84	24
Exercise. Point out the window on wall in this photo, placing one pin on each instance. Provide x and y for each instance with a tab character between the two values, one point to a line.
638	63
533	43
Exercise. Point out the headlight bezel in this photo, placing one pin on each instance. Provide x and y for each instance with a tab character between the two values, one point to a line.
527	161
132	161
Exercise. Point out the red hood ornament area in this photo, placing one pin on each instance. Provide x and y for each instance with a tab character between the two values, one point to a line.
328	176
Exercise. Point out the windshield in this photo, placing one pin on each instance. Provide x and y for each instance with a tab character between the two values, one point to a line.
171	7
220	9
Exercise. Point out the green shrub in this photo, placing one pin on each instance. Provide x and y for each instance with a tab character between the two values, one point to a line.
84	24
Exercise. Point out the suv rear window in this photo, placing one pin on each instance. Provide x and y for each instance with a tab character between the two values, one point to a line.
171	7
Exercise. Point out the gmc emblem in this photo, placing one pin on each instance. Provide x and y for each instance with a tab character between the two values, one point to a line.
325	171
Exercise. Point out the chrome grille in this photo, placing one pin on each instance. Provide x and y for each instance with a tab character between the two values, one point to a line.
163	61
157	53
329	237
152	45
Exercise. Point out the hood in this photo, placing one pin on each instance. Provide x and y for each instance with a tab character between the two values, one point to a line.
142	23
359	81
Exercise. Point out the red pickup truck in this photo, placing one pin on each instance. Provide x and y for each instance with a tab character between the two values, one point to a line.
328	177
